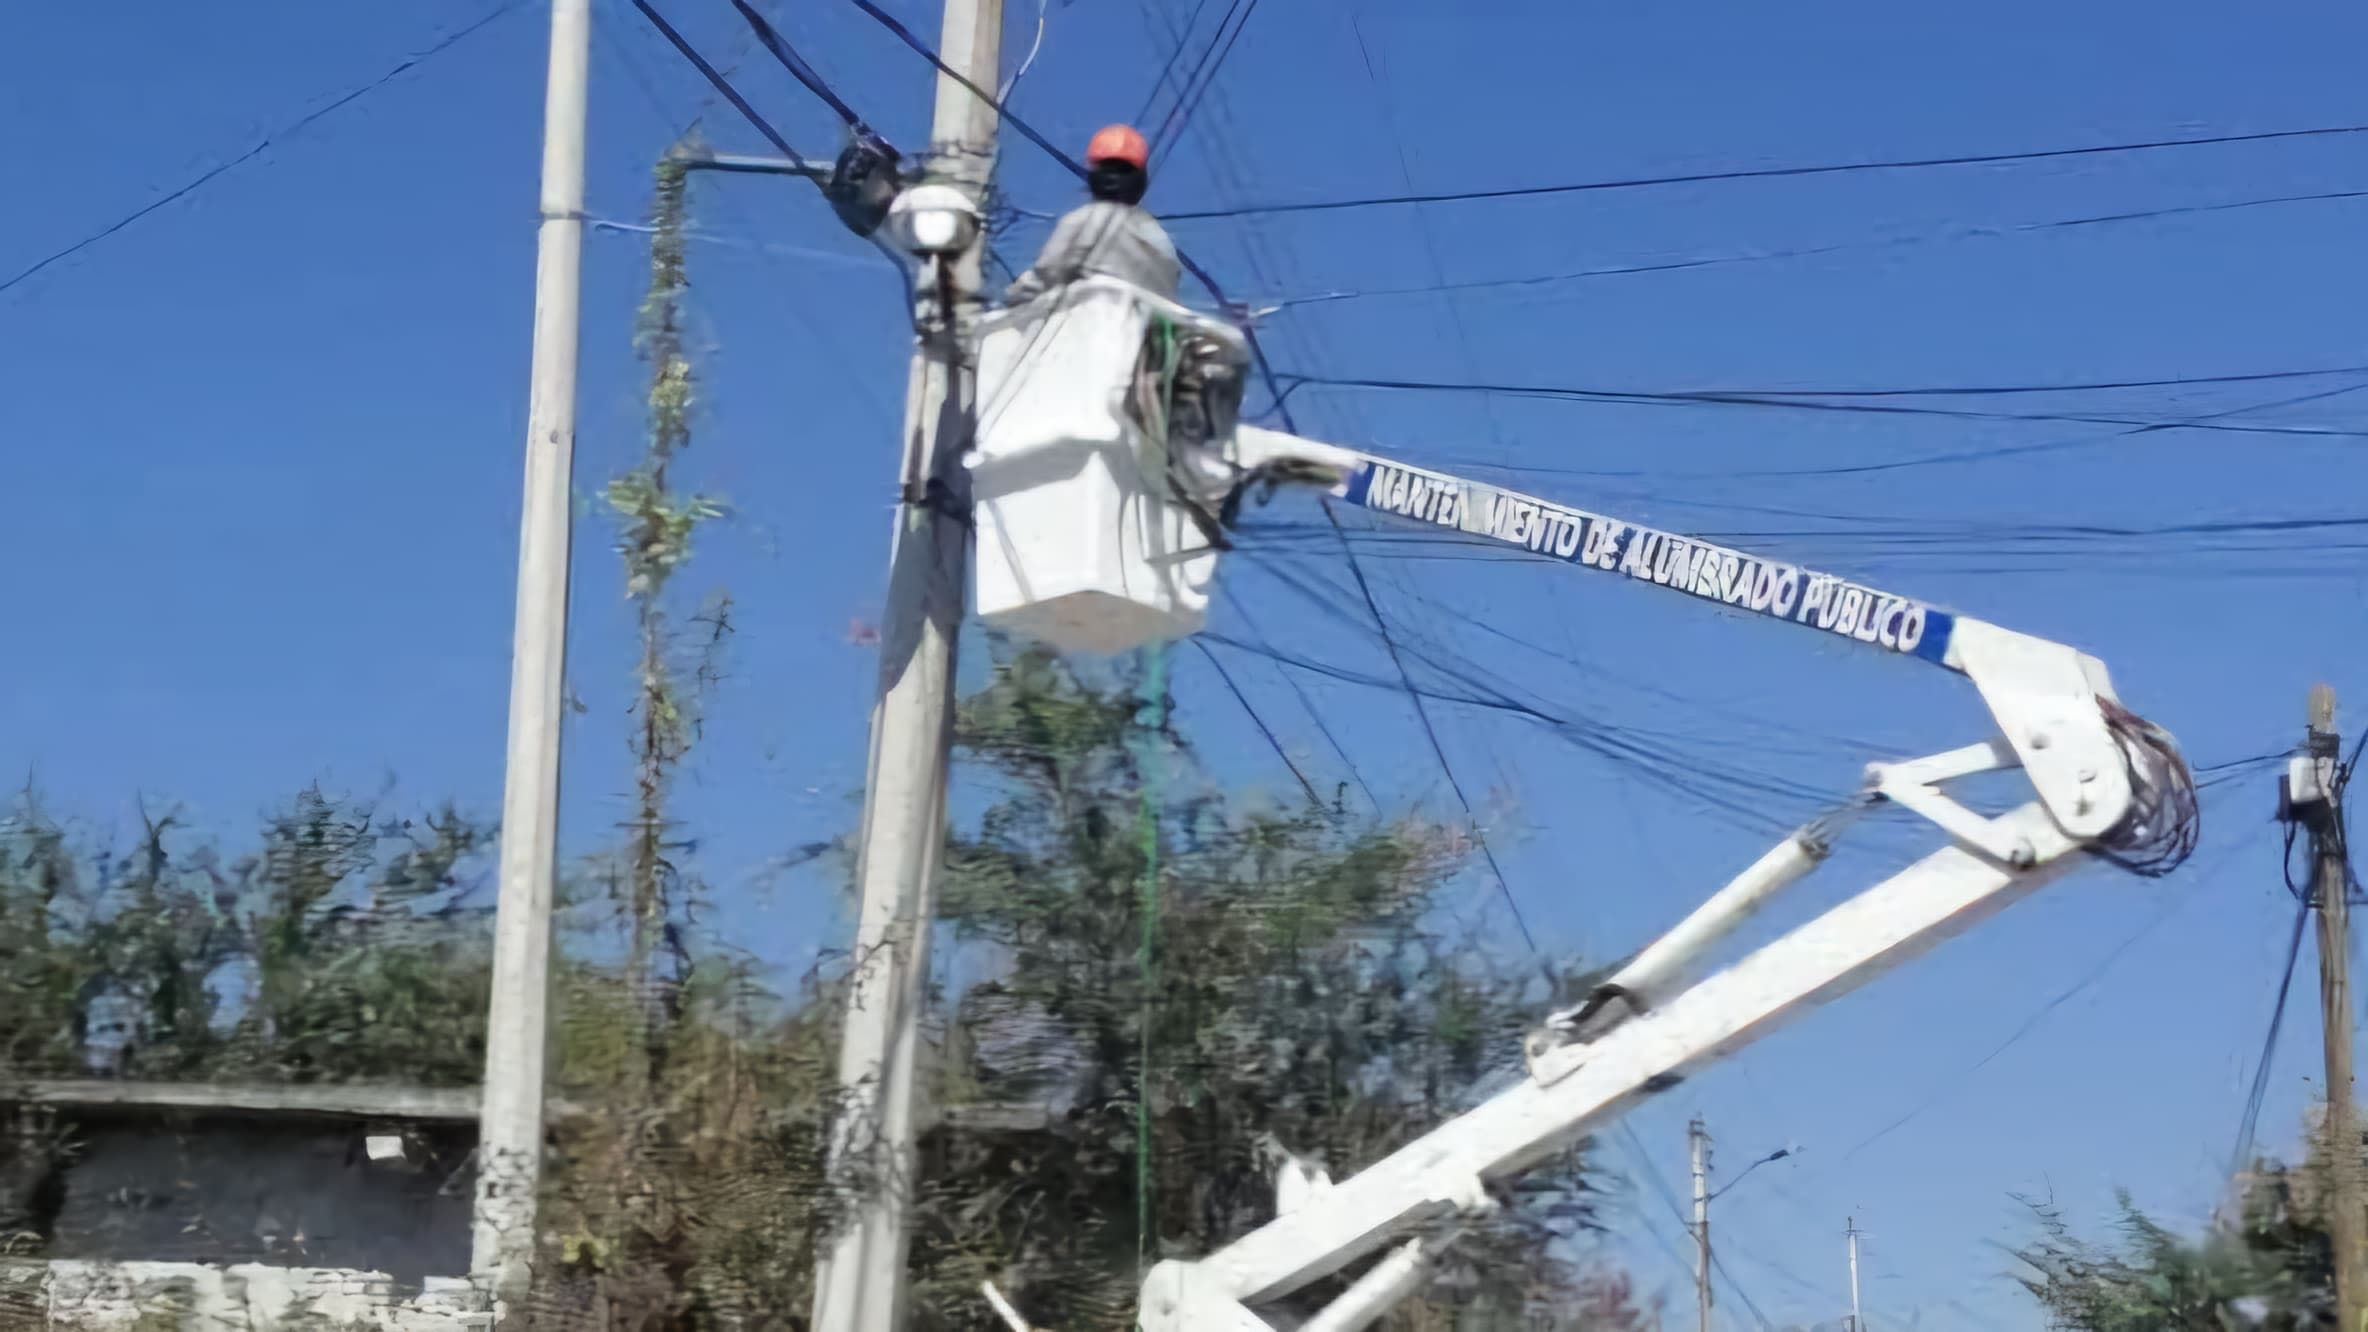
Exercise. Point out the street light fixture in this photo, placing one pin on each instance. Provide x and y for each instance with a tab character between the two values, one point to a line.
1779	1154
933	221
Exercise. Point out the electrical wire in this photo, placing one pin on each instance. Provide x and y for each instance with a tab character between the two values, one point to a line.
778	45
1844	247
1184	88
1167	68
1979	455
716	79
301	123
2096	972
2075	386
1011	85
1026	131
1179	117
748	112
1263	728
1758	173
2056	445
1722	399
1438	750
1241	608
1422	226
609	38
1701	772
1223	171
2249	1123
738	53
1636	752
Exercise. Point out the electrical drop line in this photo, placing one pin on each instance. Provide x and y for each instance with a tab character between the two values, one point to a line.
2249	1123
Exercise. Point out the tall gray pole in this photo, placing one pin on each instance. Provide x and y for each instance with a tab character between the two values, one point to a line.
2330	885
860	1284
1857	1320
510	1128
1698	1144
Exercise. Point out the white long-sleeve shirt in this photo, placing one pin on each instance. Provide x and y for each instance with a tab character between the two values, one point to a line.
1106	239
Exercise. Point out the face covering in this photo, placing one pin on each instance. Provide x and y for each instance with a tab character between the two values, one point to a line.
1118	182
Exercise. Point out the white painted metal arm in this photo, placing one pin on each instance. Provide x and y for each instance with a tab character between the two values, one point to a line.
2045	696
1449	1173
1081	541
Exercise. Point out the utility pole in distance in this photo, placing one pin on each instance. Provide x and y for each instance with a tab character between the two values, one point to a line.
859	1286
517	1020
1698	1145
1857	1320
2330	884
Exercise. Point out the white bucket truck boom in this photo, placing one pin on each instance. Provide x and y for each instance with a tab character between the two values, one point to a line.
1093	533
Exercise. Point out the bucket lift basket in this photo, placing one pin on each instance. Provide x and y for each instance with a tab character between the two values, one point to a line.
1079	543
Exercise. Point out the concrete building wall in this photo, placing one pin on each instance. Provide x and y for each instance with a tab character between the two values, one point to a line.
231	1191
71	1296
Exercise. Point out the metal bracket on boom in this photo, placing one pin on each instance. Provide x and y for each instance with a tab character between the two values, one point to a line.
1579	1083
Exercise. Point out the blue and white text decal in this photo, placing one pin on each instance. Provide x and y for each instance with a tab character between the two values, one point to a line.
1711	572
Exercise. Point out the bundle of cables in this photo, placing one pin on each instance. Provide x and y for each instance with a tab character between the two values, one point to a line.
2165	820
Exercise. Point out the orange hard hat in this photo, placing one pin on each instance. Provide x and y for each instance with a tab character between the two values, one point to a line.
1118	143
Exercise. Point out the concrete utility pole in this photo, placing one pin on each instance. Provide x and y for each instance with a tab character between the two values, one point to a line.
2330	883
1857	1320
1698	1145
510	1129
860	1286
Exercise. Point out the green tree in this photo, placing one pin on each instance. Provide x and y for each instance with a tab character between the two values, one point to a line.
2265	1265
1294	990
345	945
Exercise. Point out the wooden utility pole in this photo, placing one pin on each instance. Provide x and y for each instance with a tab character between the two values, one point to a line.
1698	1143
860	1284
2330	882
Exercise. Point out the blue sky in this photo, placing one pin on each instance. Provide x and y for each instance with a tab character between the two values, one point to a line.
264	445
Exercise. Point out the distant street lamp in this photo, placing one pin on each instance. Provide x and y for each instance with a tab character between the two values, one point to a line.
1777	1155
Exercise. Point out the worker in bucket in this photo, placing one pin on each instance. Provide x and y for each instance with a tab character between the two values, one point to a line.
1186	392
1111	235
